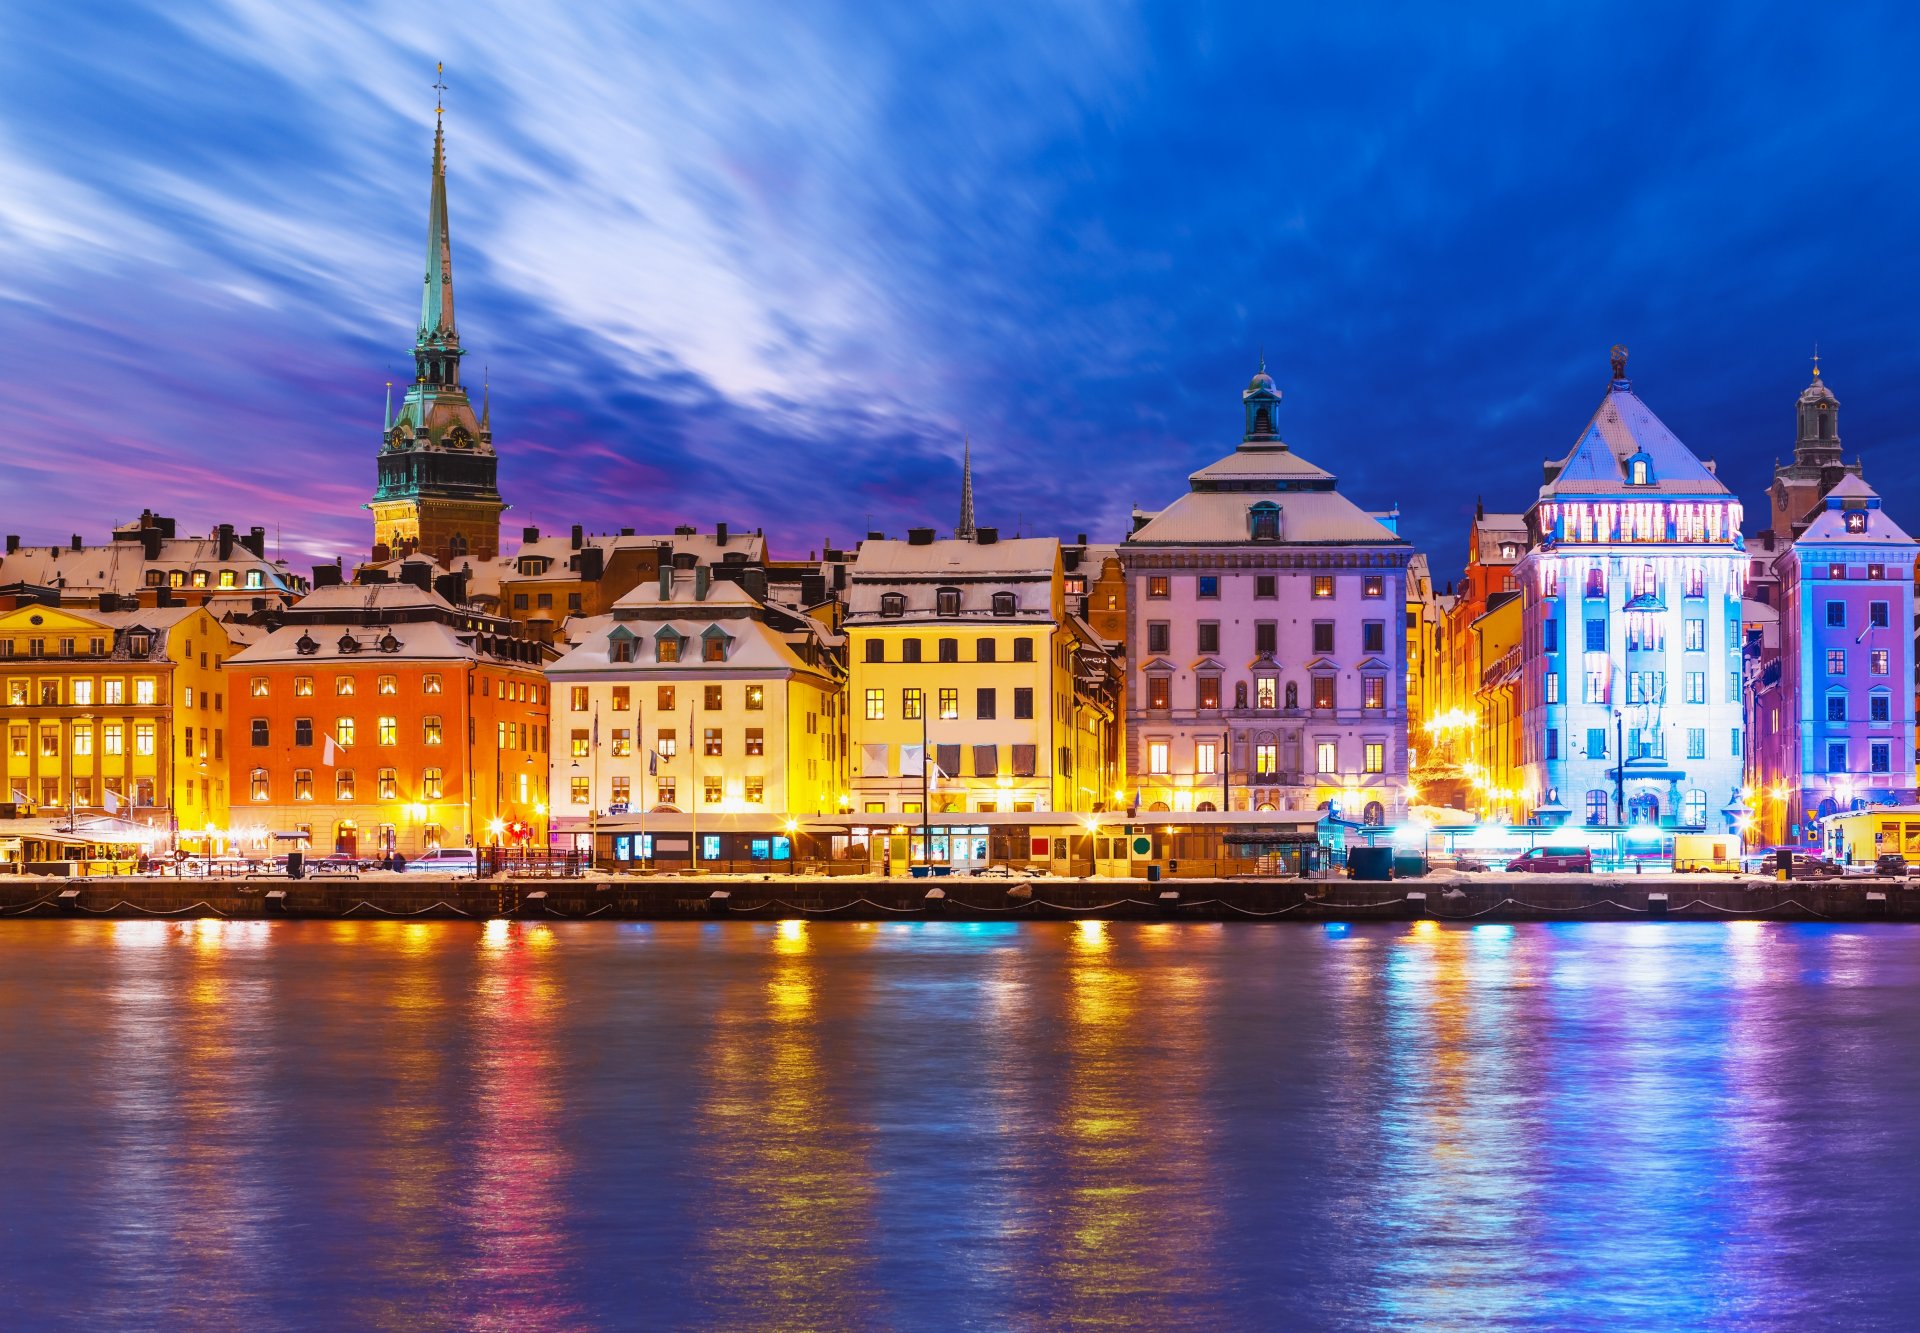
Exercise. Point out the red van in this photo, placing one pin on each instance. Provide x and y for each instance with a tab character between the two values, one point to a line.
1554	860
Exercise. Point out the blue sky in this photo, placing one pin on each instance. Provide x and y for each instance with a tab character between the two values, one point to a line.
768	264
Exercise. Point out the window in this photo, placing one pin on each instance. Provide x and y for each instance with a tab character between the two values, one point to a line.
1208	637
1264	696
431	730
1322	586
667	743
1207	692
1550	636
909	650
1880	706
1023	702
1693	809
112	691
1881	757
1157	760
756	698
1263	522
1598	674
144	691
1266	637
430	683
1158	636
1836	756
712	699
1836	613
1836	708
984	703
911	702
1207	587
1323	636
1159	586
258	730
893	604
1836	661
1373	692
949	650
1596	806
1323	696
949	705
1206	757
1266	760
83	738
258	686
343	784
386	685
579	790
876	705
1376	757
343	684
387	783
303	784
1373	585
754	791
1553	743
1265	586
303	687
710	742
1696	742
389	730
1159	692
1696	584
713	648
1326	757
1596	636
948	600
1877	615
111	740
257	784
1596	582
984	650
667	648
1023	650
1877	662
663	698
1696	636
622	742
1003	604
579	742
1696	687
430	784
1552	683
1373	636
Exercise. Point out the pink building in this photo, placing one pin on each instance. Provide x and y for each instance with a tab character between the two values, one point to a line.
1264	623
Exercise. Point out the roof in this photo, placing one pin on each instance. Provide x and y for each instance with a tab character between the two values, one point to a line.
121	566
1829	522
686	592
1255	461
756	648
1621	429
1306	518
416	641
1012	557
371	596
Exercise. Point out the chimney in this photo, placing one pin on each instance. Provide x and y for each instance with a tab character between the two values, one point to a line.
754	580
579	536
700	583
109	601
876	536
919	536
150	543
223	541
13	542
76	541
719	534
1080	539
986	536
529	534
453	587
626	532
166	525
666	581
256	541
163	596
418	573
813	589
593	564
684	531
326	576
840	578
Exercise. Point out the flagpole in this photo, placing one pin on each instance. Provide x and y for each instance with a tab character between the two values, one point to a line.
593	795
640	738
693	793
926	792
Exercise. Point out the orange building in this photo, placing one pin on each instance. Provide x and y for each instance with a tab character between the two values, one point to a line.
379	716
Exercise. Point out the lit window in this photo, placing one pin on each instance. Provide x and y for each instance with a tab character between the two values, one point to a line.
343	685
1376	757
430	784
343	731
756	698
302	686
389	731
259	687
1326	757
711	741
876	705
257	784
144	691
1322	586
949	705
1159	586
388	781
303	784
387	685
1206	756
432	730
579	741
1157	752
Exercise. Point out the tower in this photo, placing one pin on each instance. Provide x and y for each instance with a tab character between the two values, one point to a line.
437	490
965	530
1817	466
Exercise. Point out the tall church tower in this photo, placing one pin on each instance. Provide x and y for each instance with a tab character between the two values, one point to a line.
1816	469
437	489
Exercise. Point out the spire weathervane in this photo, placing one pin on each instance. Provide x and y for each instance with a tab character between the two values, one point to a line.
1816	360
439	88
1619	355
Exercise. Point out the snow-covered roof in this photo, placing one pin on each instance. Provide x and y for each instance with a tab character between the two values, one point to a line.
1851	495
372	597
121	566
1623	428
1306	517
1250	460
1014	557
414	641
754	647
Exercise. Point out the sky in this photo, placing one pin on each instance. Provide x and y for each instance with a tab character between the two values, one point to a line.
770	264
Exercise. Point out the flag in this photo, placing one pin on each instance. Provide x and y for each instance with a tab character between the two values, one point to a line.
329	751
653	762
110	802
1134	809
596	728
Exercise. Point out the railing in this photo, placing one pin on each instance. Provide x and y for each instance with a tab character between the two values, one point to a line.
529	863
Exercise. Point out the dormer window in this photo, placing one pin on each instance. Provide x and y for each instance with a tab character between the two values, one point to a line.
667	647
306	646
1640	470
1508	551
620	650
1003	604
1263	521
893	605
714	644
349	644
1855	520
949	601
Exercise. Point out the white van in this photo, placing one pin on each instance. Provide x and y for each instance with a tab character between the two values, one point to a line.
446	861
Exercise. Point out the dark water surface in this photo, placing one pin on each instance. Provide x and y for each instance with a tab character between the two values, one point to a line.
827	1126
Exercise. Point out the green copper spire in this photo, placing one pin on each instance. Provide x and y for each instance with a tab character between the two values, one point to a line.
966	531
437	348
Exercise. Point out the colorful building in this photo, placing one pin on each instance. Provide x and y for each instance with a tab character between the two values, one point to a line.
1266	654
148	564
1632	686
694	696
381	717
438	490
118	713
963	651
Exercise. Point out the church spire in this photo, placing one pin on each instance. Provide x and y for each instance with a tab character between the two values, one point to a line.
965	531
436	350
1818	441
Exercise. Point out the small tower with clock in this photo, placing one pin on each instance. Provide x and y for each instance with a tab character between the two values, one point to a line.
438	491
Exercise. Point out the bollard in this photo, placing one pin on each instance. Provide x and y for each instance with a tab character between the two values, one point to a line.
276	900
69	900
935	903
1416	903
1656	904
1169	901
717	902
534	904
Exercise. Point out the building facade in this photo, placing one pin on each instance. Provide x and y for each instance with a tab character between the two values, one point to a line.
693	696
1265	645
148	564
966	685
381	717
118	712
1632	685
438	490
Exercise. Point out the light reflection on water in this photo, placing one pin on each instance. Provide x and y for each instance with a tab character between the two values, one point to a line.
998	1125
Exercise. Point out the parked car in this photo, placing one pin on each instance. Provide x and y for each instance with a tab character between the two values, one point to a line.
1806	865
1890	863
445	861
1553	860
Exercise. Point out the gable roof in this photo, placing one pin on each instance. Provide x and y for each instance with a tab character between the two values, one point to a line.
1622	428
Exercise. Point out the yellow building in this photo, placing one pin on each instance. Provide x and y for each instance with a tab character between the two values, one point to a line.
964	648
1496	779
117	712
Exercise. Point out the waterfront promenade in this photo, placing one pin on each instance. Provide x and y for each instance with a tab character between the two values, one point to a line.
764	897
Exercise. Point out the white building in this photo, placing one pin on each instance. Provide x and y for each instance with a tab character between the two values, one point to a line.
1632	684
1266	653
695	696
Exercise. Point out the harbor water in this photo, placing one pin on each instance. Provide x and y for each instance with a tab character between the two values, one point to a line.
730	1125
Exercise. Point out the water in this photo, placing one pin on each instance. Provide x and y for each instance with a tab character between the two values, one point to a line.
382	1125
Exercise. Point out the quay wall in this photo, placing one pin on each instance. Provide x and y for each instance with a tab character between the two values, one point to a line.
621	898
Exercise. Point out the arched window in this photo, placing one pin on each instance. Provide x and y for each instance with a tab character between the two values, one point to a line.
1206	805
1002	604
1597	803
1263	521
1640	470
1644	809
1374	813
457	545
1158	806
1263	421
1693	809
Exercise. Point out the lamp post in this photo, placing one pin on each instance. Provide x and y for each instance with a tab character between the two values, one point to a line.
926	790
